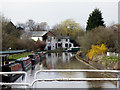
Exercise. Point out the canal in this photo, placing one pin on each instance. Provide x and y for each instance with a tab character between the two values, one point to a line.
65	61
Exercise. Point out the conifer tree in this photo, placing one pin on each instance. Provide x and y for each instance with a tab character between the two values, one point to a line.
95	20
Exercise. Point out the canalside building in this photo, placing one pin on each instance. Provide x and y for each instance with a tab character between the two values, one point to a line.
54	42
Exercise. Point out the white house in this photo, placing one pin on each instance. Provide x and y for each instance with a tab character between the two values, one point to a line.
53	42
64	42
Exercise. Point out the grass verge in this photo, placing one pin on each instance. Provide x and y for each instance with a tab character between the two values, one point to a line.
20	55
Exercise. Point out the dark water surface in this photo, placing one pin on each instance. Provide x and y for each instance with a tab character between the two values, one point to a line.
65	61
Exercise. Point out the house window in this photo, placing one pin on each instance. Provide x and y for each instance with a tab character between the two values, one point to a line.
52	38
59	44
48	37
56	45
69	45
66	45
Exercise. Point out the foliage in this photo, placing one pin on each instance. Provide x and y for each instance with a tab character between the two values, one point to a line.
95	19
71	27
68	27
110	59
20	55
58	30
11	37
105	35
40	45
9	34
96	49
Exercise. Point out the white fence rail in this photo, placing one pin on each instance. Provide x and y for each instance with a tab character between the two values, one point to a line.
65	79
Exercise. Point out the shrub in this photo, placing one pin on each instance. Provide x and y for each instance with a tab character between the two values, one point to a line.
96	49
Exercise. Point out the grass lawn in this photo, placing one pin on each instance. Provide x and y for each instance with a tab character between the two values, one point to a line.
20	55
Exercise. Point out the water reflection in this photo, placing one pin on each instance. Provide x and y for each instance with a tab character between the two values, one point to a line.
55	60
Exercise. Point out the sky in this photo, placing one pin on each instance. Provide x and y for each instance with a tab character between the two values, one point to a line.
55	11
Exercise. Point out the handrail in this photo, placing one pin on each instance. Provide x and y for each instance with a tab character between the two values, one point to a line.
76	79
21	84
80	70
74	70
64	79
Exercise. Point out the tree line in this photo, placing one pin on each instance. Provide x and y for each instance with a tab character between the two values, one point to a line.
11	38
95	31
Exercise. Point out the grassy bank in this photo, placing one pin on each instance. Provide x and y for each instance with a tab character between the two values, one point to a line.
106	61
20	55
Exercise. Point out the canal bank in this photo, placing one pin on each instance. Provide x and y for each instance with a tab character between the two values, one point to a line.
92	64
96	66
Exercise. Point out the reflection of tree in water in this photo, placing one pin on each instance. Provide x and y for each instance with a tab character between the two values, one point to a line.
94	84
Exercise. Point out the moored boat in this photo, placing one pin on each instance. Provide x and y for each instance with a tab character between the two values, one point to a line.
42	55
26	63
11	68
35	58
73	49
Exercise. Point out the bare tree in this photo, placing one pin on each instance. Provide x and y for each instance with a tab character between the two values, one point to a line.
43	26
30	24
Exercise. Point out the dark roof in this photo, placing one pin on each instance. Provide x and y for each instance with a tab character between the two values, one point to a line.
20	28
52	33
49	32
63	37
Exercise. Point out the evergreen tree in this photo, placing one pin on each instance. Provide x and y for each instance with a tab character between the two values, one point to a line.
95	19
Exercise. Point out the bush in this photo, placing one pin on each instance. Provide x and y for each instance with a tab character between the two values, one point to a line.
106	36
96	49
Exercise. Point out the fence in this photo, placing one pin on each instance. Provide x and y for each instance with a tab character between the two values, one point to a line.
113	54
65	79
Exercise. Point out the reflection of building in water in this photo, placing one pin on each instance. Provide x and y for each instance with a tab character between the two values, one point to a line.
66	57
53	58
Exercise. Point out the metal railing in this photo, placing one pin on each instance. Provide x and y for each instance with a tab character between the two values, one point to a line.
79	79
65	79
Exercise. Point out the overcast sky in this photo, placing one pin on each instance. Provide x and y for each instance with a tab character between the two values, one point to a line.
55	11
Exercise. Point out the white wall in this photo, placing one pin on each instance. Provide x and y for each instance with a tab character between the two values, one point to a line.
36	38
54	41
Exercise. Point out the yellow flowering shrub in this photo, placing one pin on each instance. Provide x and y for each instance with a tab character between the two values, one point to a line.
96	49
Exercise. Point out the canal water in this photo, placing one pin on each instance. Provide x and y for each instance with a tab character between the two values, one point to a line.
64	61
